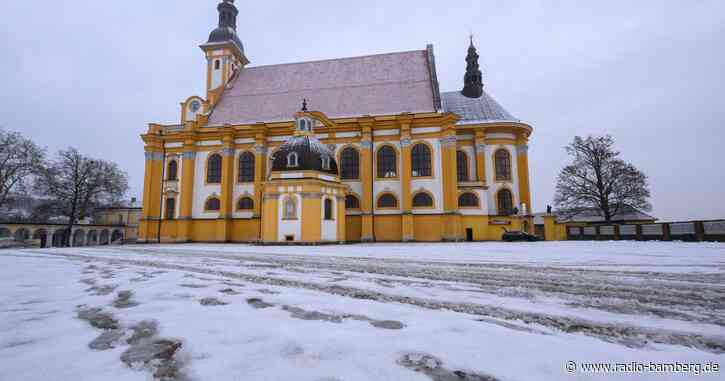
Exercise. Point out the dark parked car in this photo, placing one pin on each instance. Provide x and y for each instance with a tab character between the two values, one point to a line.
515	235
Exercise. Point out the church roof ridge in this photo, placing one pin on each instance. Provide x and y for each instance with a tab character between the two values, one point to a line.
378	84
337	59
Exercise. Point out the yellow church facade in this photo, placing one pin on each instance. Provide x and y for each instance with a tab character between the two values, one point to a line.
353	149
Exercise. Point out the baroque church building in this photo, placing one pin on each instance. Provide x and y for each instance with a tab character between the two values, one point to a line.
341	150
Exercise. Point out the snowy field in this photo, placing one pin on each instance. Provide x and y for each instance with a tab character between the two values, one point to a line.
443	312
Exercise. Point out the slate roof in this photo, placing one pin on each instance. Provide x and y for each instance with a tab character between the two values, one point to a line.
475	110
310	152
383	84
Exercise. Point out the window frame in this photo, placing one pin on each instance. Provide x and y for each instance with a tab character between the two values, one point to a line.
174	172
382	196
349	163
246	171
286	215
245	198
353	197
461	154
502	211
426	206
208	178
503	163
325	162
210	199
468	206
379	162
328	214
170	213
419	166
296	157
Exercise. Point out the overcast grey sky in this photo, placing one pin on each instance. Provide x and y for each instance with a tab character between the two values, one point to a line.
92	74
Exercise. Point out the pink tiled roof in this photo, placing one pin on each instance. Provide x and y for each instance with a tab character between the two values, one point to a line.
381	84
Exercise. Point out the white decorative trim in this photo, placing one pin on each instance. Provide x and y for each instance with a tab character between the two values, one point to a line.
366	144
278	138
448	141
188	155
174	145
260	149
153	156
227	151
404	142
425	130
206	143
464	137
347	134
500	135
244	141
322	136
386	132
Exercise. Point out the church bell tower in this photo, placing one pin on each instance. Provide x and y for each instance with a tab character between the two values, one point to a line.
224	52
472	80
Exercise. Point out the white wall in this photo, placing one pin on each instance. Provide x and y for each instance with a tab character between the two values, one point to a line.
201	190
384	186
494	187
329	227
471	153
289	227
433	185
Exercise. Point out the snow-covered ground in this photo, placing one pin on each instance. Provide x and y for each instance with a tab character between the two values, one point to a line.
474	311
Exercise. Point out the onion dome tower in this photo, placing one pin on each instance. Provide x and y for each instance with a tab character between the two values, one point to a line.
224	52
472	80
303	151
226	32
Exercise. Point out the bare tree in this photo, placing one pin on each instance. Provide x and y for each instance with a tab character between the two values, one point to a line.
599	179
20	158
76	184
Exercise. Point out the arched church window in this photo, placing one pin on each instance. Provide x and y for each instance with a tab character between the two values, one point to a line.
245	203
212	205
246	167
352	202
422	200
217	64
214	169
462	165
387	201
170	208
328	209
468	200
502	160
421	160
387	166
172	171
349	164
325	162
290	208
292	160
505	202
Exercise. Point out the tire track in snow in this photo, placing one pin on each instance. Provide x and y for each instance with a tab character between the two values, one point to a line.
628	335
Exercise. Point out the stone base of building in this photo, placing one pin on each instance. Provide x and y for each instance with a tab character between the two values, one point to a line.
386	228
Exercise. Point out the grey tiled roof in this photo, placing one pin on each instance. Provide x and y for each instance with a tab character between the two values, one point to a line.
383	84
474	110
